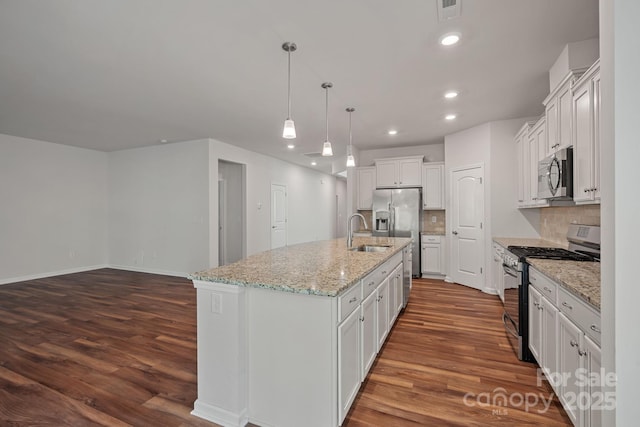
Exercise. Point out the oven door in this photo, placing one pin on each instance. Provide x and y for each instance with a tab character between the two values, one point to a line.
511	316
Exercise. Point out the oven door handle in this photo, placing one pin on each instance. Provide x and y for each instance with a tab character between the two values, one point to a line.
509	271
513	331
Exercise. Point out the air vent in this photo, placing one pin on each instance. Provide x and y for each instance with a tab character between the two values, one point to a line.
313	155
448	9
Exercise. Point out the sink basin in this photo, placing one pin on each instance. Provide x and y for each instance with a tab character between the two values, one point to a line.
370	248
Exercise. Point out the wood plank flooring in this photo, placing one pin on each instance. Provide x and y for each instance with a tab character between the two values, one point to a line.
116	348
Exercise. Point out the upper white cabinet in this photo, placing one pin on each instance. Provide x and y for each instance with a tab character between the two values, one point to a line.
433	186
365	184
558	114
399	172
537	152
586	137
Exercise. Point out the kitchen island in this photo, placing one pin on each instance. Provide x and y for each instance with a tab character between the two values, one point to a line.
286	336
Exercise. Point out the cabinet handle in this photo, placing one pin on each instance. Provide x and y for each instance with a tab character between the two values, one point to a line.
400	182
384	272
354	299
535	303
564	304
573	343
362	319
581	352
594	328
371	283
547	289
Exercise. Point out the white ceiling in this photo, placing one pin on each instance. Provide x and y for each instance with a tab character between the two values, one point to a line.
115	74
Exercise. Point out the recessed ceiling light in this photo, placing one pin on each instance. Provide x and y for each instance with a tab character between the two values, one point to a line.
291	146
163	141
450	39
450	116
451	94
392	132
313	163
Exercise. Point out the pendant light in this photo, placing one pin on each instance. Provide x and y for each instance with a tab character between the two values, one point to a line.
351	162
289	131
326	147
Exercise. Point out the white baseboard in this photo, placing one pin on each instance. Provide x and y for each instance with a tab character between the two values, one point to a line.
490	291
448	279
433	276
51	274
219	415
149	270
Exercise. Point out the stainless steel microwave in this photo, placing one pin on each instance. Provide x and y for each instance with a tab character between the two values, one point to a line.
555	176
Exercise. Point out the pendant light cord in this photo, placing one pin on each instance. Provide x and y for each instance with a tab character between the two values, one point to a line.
327	111
289	84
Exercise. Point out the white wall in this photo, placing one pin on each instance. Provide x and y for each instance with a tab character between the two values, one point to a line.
310	199
159	208
431	153
54	207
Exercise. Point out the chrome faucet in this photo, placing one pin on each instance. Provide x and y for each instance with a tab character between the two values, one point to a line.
350	231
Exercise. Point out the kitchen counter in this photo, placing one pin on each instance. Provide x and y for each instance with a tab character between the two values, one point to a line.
324	268
578	277
423	233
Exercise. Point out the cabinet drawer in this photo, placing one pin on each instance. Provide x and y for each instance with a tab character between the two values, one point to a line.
348	301
431	239
542	283
585	317
371	282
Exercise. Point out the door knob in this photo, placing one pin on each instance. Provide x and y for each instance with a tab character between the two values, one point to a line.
273	226
455	233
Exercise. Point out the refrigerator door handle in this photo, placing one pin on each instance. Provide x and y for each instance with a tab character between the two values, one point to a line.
392	220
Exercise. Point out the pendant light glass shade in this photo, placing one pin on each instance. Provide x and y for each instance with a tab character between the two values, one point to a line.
326	147
289	130
351	161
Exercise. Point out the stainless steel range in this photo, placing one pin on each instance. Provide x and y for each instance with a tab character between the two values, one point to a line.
584	245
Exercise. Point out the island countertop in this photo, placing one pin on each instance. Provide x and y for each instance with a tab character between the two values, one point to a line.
324	268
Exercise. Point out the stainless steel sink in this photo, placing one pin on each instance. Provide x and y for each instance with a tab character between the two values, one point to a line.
370	248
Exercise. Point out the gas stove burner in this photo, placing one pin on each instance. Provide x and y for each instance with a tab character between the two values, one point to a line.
548	253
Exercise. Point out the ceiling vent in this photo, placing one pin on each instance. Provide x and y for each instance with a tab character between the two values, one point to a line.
448	9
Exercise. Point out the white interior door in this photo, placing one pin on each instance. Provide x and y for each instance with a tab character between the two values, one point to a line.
222	222
278	216
467	234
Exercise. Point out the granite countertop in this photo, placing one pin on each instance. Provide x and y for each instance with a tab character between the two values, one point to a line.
523	241
318	268
425	233
582	278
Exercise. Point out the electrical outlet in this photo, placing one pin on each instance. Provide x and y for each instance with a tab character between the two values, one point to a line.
434	219
216	303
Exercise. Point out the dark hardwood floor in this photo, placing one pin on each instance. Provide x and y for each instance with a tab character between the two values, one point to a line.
116	348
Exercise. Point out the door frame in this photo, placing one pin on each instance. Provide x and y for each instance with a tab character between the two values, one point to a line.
286	212
449	222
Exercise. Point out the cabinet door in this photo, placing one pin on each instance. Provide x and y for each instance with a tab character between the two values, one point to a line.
549	334
348	362
366	183
596	136
593	414
433	187
383	312
391	307
369	332
387	173
399	289
582	144
533	169
431	259
526	170
564	116
569	361
410	173
520	172
535	324
551	116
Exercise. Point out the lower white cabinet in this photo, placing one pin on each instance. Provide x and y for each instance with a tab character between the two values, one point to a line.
564	335
349	359
498	275
369	332
432	254
383	312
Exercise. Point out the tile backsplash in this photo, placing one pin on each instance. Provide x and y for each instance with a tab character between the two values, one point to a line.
554	221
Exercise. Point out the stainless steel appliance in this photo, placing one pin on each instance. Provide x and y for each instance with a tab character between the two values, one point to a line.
398	213
584	245
555	176
407	262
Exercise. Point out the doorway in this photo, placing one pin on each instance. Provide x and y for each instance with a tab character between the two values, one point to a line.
467	230
278	215
231	212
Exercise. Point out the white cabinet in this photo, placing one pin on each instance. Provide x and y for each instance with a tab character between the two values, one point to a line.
537	152
498	276
432	255
570	361
535	323
433	186
369	332
399	289
365	184
399	172
349	359
543	321
558	107
395	294
548	332
383	312
593	365
524	165
586	137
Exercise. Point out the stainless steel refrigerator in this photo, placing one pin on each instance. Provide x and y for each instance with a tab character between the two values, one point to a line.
398	213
